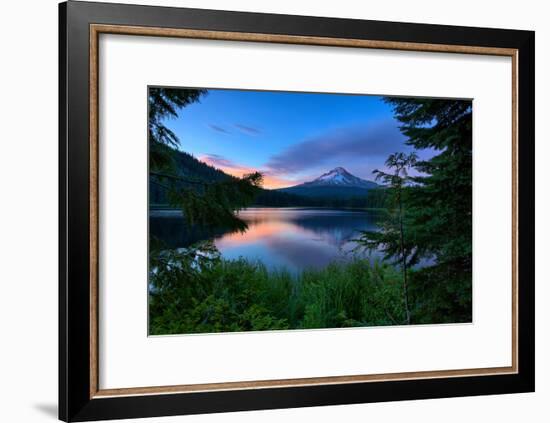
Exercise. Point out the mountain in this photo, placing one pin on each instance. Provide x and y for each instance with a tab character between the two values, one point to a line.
340	177
338	183
337	188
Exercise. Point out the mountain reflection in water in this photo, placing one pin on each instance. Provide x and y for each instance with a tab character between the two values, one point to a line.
295	238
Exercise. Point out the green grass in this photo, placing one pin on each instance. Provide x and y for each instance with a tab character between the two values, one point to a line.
203	294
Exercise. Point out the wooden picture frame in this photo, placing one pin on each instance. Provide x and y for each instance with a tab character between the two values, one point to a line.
80	398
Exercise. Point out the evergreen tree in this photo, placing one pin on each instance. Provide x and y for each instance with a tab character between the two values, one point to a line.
440	205
164	103
391	237
210	200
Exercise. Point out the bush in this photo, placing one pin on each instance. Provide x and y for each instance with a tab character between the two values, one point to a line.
198	292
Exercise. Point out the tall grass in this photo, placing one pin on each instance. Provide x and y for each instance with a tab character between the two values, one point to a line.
217	295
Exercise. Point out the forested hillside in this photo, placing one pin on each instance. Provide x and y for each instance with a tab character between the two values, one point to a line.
190	168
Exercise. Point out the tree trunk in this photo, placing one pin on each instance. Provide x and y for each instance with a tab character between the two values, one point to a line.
403	260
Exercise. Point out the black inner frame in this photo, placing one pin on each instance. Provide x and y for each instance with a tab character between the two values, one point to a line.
74	201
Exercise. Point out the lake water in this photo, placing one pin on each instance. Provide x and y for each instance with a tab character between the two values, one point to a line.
294	238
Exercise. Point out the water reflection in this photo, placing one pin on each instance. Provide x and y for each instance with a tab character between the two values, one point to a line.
295	238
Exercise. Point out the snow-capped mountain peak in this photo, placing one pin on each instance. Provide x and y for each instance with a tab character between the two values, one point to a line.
339	177
337	183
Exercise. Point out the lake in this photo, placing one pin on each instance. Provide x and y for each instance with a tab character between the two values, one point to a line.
294	238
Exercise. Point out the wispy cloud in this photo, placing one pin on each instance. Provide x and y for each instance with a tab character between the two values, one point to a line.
218	128
249	130
350	143
271	181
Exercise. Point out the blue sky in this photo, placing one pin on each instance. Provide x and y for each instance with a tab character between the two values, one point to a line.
290	137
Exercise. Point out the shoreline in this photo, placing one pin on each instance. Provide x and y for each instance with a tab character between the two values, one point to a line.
153	208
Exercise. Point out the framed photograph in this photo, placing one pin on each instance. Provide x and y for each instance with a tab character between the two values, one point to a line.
268	211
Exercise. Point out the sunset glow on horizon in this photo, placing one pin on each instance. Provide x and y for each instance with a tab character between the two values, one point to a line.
289	137
233	169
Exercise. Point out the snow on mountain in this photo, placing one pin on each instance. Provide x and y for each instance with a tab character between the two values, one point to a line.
340	177
338	183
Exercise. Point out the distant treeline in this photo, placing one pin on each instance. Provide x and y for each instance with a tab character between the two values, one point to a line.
268	198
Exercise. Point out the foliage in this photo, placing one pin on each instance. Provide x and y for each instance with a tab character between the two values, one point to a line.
440	205
210	200
214	203
164	103
196	291
391	235
437	217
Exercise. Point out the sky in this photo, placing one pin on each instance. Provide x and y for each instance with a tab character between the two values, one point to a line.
290	137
